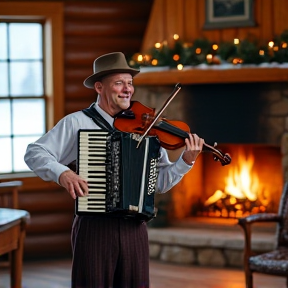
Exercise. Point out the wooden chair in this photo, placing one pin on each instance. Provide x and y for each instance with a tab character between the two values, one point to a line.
8	199
274	262
9	194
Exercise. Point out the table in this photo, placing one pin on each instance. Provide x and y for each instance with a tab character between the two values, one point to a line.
12	234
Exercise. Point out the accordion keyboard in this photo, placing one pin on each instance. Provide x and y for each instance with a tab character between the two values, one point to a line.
92	167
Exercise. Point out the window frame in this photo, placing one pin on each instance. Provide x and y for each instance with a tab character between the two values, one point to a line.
51	15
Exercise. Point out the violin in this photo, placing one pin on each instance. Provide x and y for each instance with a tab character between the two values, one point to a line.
142	120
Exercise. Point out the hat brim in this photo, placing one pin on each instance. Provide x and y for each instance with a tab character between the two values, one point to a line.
90	81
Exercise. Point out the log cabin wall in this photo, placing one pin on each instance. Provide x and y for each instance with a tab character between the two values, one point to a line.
92	29
187	18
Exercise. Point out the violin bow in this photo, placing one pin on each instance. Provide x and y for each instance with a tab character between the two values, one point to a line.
177	88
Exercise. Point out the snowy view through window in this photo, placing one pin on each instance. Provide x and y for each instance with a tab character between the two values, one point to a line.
22	102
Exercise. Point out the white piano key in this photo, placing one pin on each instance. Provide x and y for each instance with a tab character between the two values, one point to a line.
96	206
86	173
98	190
96	196
95	185
101	168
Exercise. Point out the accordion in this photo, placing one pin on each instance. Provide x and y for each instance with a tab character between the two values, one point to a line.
121	177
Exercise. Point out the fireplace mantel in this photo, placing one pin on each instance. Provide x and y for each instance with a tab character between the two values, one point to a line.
210	76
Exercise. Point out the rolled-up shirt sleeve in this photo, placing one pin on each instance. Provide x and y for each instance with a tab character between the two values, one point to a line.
170	173
49	155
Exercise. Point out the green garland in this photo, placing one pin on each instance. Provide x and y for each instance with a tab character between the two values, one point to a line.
202	51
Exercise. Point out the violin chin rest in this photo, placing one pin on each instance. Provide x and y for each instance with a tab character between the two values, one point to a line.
128	114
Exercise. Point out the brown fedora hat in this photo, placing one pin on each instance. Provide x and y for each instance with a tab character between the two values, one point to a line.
107	64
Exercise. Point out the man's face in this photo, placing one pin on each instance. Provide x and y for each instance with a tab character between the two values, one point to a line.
115	92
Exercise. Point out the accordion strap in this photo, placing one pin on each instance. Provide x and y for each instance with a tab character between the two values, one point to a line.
92	113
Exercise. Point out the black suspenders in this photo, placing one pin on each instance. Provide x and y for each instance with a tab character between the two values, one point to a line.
92	113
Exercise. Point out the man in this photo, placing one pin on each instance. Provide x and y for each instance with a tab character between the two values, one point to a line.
107	251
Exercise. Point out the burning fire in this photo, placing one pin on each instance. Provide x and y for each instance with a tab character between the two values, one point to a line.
242	194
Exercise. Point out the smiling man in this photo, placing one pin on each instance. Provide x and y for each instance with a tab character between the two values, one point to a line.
108	250
115	92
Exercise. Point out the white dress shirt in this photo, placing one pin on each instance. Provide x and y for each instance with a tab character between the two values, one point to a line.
49	155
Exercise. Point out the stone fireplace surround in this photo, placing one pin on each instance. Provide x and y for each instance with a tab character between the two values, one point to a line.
219	243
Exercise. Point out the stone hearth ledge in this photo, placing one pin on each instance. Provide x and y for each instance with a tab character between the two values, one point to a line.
205	247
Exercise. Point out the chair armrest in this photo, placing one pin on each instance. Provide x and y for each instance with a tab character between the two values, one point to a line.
9	190
246	223
260	217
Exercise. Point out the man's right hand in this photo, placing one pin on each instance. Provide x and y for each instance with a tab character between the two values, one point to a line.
74	184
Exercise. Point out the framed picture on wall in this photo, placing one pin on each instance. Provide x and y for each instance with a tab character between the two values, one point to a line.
229	14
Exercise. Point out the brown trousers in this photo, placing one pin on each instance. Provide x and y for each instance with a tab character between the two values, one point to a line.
109	253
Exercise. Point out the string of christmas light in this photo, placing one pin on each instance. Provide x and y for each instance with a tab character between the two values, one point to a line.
202	51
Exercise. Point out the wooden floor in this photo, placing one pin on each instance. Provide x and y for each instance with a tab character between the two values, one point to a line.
56	274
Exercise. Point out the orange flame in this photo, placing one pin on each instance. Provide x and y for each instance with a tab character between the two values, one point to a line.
241	182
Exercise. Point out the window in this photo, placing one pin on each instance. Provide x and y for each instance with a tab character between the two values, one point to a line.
31	82
22	101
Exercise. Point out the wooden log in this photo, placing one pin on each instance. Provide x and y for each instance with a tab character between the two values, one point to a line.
102	10
47	246
103	29
49	223
46	201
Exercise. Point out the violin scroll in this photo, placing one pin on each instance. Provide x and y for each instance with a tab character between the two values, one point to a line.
224	159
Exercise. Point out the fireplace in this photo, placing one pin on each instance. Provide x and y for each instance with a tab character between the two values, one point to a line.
251	184
248	121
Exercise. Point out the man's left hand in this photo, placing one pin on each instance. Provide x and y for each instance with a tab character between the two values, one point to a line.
194	145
